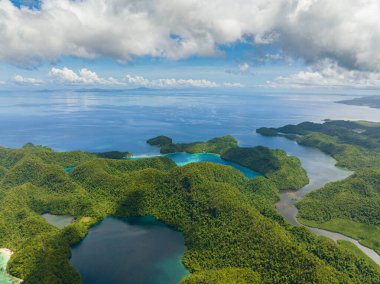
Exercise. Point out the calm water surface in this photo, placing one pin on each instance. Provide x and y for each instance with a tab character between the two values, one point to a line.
104	121
60	221
182	159
133	250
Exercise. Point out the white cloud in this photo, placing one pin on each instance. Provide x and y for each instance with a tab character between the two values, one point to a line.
347	31
233	85
20	80
240	69
329	74
83	77
243	67
176	83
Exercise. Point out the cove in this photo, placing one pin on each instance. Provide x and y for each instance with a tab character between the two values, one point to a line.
182	159
5	278
130	250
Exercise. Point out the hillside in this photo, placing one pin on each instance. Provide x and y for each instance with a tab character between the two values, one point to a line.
352	206
229	222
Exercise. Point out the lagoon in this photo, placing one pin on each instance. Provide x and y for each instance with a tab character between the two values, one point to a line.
106	120
182	159
130	250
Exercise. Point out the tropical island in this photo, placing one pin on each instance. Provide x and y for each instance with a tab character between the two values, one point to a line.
369	101
231	227
351	206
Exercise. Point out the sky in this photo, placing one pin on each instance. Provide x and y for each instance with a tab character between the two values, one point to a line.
279	44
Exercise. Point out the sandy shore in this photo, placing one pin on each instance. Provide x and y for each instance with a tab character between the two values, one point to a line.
7	253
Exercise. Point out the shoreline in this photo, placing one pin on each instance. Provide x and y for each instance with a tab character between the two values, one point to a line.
7	253
337	236
286	206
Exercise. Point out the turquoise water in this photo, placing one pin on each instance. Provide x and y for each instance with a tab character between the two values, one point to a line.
69	169
60	221
182	159
131	250
4	277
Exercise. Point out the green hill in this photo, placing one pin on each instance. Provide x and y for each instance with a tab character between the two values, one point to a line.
229	222
352	206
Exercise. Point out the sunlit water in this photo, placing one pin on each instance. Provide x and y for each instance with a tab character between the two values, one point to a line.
182	159
104	121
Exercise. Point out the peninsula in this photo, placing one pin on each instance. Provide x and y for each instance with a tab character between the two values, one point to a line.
229	222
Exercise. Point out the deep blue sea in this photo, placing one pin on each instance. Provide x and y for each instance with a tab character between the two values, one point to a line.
109	120
124	120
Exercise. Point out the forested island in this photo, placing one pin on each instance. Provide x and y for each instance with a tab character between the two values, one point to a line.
232	230
351	206
286	172
370	101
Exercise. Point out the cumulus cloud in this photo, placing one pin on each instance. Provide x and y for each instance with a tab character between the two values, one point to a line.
240	69
346	31
243	67
176	83
20	80
329	74
83	77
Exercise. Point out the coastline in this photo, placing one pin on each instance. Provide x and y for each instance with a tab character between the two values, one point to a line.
286	206
7	253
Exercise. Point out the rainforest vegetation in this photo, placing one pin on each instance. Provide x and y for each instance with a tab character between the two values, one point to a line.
351	206
232	231
286	172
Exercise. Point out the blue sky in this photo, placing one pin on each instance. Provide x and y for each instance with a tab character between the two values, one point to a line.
221	68
248	44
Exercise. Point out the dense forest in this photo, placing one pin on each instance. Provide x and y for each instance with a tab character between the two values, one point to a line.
351	206
286	172
231	228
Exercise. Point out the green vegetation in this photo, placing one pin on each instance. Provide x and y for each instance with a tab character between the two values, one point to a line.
286	172
356	251
351	206
160	141
368	235
223	276
231	228
114	155
217	145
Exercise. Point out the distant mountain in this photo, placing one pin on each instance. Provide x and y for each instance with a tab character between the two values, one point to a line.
143	89
370	101
99	90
